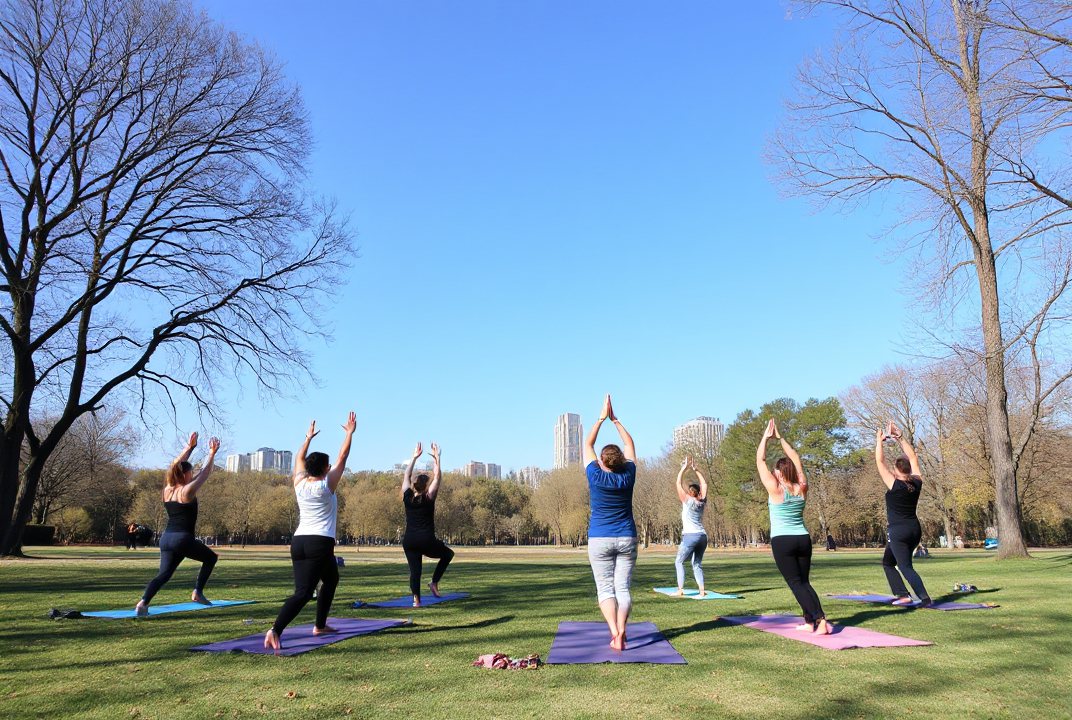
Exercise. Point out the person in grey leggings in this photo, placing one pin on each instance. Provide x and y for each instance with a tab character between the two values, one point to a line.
612	535
693	535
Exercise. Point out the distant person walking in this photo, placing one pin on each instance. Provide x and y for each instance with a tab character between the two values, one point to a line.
132	537
612	535
178	541
693	535
787	491
312	549
420	541
903	532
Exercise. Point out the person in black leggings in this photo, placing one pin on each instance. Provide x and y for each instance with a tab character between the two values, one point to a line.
420	541
904	532
178	541
312	549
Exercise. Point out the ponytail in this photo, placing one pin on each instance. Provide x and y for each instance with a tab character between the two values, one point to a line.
176	474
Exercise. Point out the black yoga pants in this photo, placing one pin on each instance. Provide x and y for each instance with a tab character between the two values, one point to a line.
313	557
416	550
901	541
174	548
792	555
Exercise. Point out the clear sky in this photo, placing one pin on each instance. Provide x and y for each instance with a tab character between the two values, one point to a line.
557	200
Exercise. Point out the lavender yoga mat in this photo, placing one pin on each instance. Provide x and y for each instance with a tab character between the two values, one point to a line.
843	637
407	601
300	638
589	642
888	599
163	609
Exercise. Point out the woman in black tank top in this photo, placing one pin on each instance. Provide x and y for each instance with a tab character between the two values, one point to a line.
419	541
178	541
903	486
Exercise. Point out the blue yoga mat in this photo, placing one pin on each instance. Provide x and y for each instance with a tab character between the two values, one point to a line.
406	601
162	609
695	594
888	600
589	642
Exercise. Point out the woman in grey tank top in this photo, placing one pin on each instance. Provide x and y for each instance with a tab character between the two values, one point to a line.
693	536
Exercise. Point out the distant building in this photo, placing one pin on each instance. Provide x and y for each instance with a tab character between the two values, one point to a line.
475	469
238	463
531	476
494	471
270	460
568	433
704	434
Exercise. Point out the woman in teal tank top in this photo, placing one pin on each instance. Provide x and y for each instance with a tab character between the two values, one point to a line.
787	491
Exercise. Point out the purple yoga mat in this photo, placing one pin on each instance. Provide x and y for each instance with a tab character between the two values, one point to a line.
300	638
589	642
843	637
888	599
406	601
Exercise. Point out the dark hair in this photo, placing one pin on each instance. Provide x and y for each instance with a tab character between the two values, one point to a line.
176	474
613	458
788	470
317	464
902	463
420	485
694	488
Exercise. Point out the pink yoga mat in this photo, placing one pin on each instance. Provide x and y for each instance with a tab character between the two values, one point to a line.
843	637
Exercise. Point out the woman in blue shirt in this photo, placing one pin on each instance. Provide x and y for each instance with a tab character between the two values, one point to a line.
612	535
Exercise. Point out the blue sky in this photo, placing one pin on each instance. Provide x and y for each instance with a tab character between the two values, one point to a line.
556	200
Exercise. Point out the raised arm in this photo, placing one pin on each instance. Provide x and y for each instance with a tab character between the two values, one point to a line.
765	475
880	460
681	494
628	448
437	474
184	456
703	481
407	479
906	448
794	458
589	453
189	491
299	461
335	474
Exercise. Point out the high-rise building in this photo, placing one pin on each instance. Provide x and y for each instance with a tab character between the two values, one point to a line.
703	434
567	440
238	463
475	469
270	460
531	476
494	471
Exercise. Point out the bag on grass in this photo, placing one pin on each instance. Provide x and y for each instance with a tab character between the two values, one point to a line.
501	661
55	614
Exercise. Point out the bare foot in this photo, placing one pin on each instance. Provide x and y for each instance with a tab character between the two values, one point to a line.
199	597
416	601
434	587
618	643
678	593
324	630
823	627
806	627
904	600
141	609
271	640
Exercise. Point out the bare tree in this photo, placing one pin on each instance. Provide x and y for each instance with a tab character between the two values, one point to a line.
155	229
956	106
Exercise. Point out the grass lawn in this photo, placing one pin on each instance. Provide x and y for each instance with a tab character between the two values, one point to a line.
1013	661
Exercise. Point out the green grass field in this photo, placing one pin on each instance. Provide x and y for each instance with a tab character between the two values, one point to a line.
1013	661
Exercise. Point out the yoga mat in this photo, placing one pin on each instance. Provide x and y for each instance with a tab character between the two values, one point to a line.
162	609
843	637
589	642
695	594
407	601
888	600
300	638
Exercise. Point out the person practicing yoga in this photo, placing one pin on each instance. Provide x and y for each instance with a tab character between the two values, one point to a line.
903	532
787	491
312	549
612	535
177	541
693	536
419	540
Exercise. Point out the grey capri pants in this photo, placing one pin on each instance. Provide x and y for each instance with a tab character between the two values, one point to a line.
613	560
